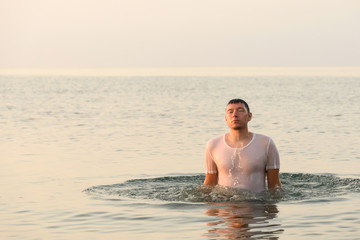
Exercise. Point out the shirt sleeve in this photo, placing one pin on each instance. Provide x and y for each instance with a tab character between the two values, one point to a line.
273	159
210	165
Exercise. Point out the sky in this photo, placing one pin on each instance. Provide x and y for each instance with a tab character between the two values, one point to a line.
179	33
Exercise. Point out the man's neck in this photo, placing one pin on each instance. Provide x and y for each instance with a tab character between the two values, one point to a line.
238	138
238	134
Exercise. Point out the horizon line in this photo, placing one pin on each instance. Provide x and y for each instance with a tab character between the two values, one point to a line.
183	71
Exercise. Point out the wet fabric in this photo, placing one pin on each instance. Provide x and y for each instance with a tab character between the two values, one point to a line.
244	167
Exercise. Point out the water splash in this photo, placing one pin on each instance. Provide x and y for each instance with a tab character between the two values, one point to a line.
296	187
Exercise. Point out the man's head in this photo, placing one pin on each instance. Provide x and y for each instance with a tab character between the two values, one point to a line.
237	114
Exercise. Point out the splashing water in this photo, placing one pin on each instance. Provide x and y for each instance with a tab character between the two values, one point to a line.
296	187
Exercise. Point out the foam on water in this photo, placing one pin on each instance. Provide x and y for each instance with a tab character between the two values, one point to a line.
296	187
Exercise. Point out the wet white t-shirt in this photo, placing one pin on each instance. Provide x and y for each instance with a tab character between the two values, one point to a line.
244	167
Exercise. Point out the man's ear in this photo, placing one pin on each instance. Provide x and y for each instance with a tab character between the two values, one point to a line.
250	117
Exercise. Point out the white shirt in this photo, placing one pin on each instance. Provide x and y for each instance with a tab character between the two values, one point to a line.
244	167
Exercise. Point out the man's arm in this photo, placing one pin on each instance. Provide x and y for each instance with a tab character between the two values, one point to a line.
273	178
211	179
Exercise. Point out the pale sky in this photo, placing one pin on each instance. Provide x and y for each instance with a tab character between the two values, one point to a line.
179	33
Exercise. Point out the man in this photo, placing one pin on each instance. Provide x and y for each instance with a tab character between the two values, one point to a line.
242	159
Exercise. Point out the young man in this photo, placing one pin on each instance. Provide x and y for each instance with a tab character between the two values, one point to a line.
242	159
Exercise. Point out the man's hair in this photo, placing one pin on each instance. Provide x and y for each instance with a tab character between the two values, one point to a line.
238	100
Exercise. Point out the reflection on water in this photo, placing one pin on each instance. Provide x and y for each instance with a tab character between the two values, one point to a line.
243	220
236	214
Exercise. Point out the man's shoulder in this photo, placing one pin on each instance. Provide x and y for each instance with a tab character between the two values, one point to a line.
262	138
215	140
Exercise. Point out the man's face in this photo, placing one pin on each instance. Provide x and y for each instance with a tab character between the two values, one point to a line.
237	116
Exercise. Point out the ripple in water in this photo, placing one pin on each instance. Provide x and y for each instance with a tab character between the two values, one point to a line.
296	187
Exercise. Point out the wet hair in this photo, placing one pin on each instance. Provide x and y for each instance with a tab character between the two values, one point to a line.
238	100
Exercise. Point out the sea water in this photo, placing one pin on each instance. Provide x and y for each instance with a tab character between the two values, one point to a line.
122	157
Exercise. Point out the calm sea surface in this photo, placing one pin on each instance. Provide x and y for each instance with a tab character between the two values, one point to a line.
121	157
